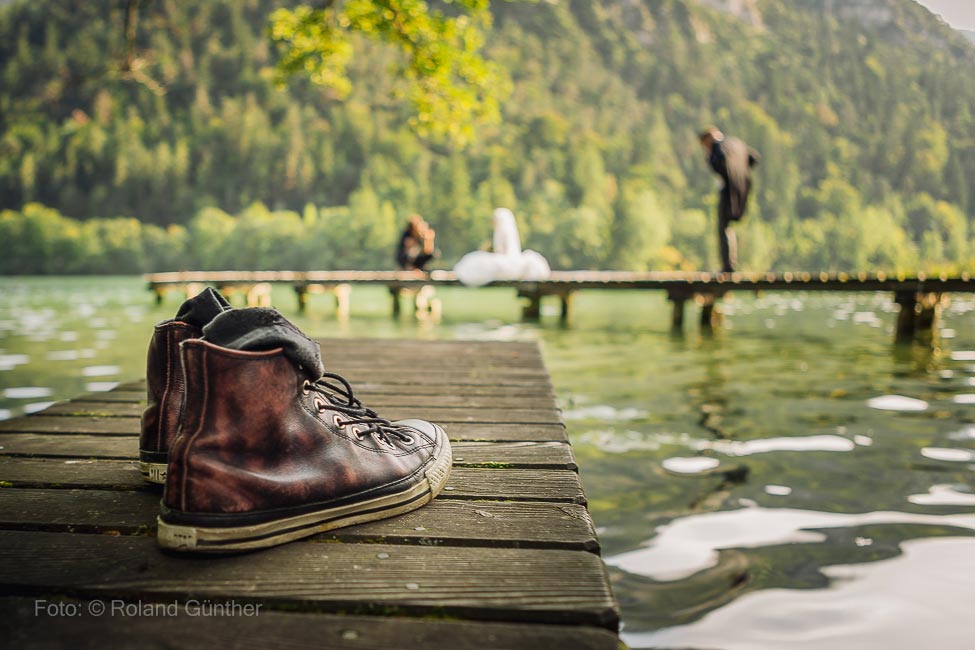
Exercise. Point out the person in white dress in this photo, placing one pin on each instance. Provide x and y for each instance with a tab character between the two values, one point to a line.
506	262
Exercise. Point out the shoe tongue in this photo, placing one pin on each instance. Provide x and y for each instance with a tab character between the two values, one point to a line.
202	308
257	329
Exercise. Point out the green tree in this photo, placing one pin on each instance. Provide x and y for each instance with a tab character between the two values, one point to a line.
450	86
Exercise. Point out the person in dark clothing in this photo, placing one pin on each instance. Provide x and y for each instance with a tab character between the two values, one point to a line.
732	160
416	245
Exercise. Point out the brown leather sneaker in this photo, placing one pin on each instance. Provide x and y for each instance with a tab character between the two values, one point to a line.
164	378
267	454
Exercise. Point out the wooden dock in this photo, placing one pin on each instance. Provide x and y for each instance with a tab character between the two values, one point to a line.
918	295
506	557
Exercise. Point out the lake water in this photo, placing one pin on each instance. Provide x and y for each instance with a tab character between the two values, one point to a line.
794	480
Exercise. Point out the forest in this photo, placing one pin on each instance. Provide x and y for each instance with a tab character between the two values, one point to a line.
177	150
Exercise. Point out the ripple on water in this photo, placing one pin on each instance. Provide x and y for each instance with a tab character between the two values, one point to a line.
601	412
949	455
692	465
866	318
687	545
26	392
63	355
897	403
963	355
36	407
766	445
868	606
11	361
967	398
968	433
943	495
100	371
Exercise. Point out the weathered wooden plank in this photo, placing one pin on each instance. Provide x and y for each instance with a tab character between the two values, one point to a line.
537	414
27	629
75	473
563	280
501	484
421	391
62	424
442	522
87	412
338	358
456	347
434	377
56	425
113	396
379	402
556	485
549	455
529	584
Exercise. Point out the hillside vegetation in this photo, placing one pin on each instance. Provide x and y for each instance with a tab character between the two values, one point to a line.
177	150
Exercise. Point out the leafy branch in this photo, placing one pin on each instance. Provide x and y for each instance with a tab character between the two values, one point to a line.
451	87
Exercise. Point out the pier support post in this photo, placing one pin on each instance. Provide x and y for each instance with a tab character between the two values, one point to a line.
301	293
907	317
929	304
343	293
533	310
918	315
679	299
566	306
258	295
710	314
395	292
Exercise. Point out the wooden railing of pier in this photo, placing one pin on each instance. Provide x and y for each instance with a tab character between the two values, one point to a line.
918	295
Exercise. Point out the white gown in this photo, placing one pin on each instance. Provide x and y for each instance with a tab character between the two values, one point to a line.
507	262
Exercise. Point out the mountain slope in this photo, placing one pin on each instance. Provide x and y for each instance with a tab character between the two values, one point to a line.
862	111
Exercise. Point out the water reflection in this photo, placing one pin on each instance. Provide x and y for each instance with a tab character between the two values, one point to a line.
817	431
943	495
949	455
26	392
692	465
691	544
902	602
897	403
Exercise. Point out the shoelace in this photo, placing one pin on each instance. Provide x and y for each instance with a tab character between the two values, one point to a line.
357	412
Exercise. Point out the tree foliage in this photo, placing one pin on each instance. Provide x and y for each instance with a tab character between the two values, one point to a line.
862	113
450	86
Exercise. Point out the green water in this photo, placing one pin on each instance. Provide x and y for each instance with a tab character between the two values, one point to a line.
793	481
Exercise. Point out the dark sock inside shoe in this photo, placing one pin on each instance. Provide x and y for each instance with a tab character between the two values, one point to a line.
257	329
202	308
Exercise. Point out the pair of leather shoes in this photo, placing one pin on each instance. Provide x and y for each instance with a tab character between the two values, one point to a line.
257	445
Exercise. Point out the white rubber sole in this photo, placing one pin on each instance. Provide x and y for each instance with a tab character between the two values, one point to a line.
153	472
199	539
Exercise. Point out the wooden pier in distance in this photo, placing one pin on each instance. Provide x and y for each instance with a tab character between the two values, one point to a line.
506	557
919	296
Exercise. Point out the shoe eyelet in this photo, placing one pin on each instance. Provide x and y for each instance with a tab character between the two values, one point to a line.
306	387
407	440
338	421
320	403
